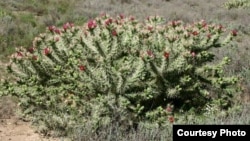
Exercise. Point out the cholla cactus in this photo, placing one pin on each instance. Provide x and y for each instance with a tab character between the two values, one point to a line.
117	69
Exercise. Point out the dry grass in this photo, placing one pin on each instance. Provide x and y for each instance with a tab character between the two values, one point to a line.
7	107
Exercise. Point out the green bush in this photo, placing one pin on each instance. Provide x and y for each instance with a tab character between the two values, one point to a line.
119	71
237	4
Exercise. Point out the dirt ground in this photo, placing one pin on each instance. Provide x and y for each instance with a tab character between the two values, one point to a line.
13	128
17	130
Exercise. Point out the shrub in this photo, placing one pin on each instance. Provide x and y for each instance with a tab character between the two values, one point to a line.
237	4
119	71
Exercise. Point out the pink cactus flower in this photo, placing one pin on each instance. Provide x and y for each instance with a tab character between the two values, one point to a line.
47	51
58	31
51	28
66	26
92	24
108	21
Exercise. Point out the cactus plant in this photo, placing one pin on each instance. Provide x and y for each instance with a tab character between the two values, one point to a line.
117	69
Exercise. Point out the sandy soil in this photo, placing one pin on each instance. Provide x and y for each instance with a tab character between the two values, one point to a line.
16	130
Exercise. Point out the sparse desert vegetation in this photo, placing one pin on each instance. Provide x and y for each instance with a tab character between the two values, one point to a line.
124	69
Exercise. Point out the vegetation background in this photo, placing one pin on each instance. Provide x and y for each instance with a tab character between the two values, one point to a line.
22	20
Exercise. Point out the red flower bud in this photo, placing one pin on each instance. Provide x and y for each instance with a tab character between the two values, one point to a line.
234	32
71	24
19	54
34	57
171	119
66	26
108	21
46	51
114	33
166	55
209	36
193	54
132	18
82	68
31	50
150	53
58	31
150	28
173	23
121	16
51	28
195	33
220	27
92	24
103	14
204	24
57	39
169	109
